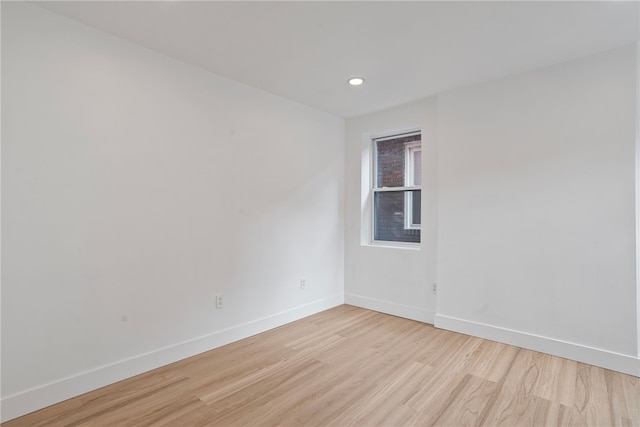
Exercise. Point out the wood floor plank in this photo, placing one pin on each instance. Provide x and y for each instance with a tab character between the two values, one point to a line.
515	404
468	402
631	391
287	379
493	361
551	414
592	402
353	367
170	414
322	402
616	397
375	407
557	380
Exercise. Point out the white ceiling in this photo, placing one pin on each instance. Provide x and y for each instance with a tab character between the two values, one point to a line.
305	51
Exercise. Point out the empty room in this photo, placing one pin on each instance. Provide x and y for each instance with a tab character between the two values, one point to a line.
345	213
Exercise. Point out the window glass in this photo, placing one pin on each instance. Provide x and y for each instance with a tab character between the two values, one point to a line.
417	167
389	218
390	166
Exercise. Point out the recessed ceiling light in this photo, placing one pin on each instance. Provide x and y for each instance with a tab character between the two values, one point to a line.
356	81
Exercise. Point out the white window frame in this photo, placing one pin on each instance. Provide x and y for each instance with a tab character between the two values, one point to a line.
375	189
409	165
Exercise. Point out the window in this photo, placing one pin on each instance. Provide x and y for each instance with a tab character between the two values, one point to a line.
396	189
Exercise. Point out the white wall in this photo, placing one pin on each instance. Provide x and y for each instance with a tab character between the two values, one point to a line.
134	189
529	204
536	231
390	279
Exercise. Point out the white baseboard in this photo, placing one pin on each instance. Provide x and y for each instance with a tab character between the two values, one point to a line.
40	397
568	350
400	310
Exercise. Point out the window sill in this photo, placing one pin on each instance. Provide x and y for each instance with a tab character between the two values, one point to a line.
393	245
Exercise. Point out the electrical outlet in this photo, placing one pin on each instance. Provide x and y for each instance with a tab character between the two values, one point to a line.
303	283
219	301
434	288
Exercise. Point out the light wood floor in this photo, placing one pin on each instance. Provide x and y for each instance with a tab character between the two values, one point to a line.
349	366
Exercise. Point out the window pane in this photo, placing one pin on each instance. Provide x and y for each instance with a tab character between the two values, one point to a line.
390	156
389	218
390	160
417	167
415	207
